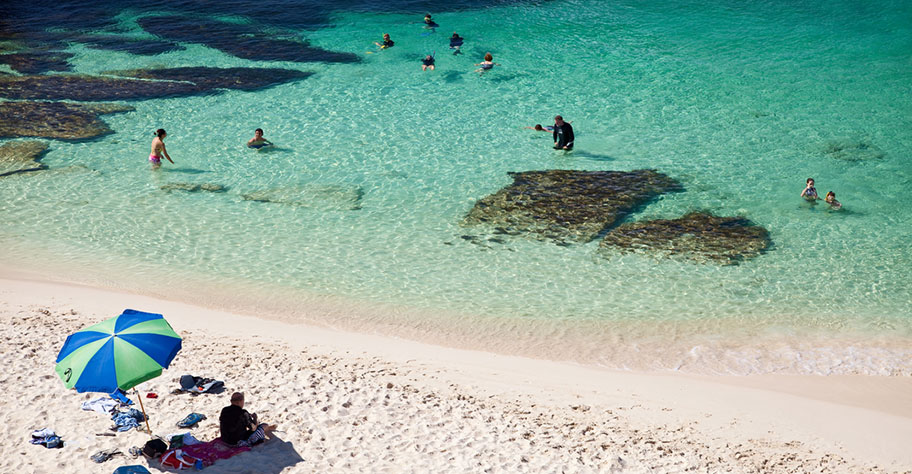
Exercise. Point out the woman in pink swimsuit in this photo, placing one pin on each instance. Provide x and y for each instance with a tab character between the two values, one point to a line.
158	149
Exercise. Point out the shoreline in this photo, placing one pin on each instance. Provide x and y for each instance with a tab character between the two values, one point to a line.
866	419
780	345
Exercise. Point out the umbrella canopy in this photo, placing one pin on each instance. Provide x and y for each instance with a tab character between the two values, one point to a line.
120	352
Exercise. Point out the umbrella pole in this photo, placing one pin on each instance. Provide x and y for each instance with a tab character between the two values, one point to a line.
141	407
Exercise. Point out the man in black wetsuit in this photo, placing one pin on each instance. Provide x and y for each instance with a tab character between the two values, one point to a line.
563	134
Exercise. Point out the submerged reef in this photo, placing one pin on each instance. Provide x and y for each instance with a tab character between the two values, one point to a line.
143	47
240	40
37	62
173	82
330	196
697	236
55	119
851	150
194	188
21	156
567	205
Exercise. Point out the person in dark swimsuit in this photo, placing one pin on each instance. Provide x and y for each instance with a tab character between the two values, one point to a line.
487	64
427	63
238	427
810	192
563	134
387	42
428	22
456	43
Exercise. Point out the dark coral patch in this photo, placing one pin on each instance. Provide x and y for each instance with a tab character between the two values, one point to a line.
181	82
37	62
21	157
55	119
567	204
697	236
128	45
240	40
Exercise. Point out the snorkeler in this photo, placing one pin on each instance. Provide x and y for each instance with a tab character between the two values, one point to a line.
831	200
428	22
158	149
456	43
427	63
387	42
538	128
810	192
488	63
563	134
258	141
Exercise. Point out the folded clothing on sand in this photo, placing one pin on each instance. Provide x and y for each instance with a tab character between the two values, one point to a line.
47	438
191	420
127	420
102	456
196	385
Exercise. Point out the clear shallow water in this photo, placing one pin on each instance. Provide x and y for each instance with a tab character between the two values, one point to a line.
738	102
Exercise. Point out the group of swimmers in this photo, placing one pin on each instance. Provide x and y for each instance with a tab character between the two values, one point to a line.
456	41
810	194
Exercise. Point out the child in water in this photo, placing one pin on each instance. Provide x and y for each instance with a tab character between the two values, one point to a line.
810	192
158	149
387	42
831	200
428	22
488	63
258	140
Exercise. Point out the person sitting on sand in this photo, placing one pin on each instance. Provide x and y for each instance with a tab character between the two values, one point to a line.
387	42
258	140
240	428
427	63
488	63
831	200
456	43
158	149
810	192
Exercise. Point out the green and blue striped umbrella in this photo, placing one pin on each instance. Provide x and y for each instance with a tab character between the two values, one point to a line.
118	353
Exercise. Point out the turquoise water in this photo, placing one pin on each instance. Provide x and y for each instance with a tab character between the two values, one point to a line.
740	102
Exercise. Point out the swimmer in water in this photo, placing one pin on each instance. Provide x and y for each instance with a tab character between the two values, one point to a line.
831	200
456	43
158	149
538	128
488	63
429	23
810	192
387	42
427	63
258	141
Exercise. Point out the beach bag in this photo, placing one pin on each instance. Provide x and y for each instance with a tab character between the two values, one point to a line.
154	448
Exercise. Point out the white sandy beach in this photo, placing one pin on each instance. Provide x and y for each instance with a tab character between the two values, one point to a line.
348	402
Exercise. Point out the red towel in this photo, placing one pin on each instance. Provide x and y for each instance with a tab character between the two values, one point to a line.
213	451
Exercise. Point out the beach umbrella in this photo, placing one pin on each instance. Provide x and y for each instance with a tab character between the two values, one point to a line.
118	353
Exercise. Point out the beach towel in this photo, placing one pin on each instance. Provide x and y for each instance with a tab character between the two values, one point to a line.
178	459
135	469
179	440
191	420
197	385
127	420
212	451
102	405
